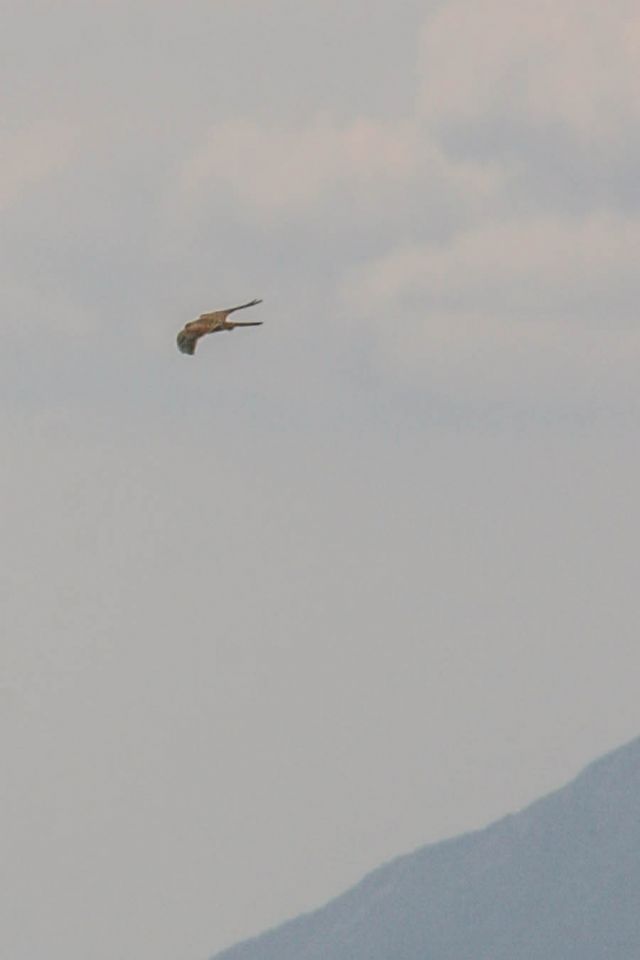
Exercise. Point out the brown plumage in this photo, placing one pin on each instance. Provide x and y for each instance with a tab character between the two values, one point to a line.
188	337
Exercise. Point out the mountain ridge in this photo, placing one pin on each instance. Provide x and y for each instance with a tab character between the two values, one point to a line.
558	880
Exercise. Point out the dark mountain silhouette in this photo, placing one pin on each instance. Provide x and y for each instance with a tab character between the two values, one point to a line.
558	881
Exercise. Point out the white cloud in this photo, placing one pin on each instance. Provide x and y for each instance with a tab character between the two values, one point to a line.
291	167
535	291
573	62
294	170
510	306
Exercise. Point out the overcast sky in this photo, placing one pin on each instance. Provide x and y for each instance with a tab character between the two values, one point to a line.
359	579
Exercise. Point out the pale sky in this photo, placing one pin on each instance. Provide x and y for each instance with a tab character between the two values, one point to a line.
361	578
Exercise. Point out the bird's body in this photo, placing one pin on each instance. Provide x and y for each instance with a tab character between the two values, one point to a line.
188	337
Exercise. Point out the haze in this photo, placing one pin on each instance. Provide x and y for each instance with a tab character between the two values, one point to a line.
358	579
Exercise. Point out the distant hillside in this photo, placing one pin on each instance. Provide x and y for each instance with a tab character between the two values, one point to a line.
558	881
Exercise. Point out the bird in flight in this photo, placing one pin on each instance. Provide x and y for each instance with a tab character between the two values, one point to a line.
188	337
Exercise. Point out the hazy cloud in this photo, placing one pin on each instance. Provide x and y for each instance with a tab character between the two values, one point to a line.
547	89
538	286
575	64
361	579
512	307
275	169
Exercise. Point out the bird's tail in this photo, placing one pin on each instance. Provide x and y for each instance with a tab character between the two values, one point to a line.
247	323
243	306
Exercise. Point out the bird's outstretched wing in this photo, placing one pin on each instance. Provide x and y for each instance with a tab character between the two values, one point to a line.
223	314
218	316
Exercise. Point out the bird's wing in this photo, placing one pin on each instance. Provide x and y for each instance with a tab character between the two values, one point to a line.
243	306
187	342
223	314
216	316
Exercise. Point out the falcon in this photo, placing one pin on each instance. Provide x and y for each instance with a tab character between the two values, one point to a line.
188	337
